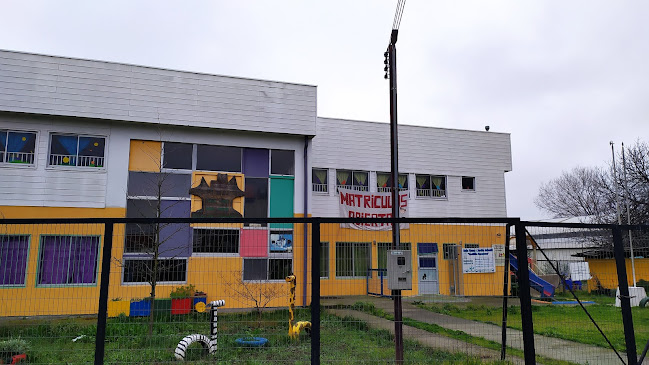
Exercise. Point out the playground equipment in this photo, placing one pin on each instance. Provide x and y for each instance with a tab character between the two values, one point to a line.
294	329
546	289
208	343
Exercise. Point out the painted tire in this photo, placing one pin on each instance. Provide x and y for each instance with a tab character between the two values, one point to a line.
181	349
254	342
643	302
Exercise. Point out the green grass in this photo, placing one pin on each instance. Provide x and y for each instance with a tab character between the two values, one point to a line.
343	340
560	321
458	335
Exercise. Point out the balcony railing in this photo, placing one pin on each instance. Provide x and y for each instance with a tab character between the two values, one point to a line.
434	193
353	187
72	160
320	188
387	189
19	157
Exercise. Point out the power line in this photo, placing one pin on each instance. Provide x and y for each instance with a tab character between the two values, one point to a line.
398	14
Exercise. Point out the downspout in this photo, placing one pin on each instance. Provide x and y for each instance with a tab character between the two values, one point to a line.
306	225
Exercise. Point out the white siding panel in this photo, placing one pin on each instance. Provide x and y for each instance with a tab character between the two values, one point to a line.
357	145
82	88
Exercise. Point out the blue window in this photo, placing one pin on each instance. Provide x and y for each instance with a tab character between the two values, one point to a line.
74	150
17	147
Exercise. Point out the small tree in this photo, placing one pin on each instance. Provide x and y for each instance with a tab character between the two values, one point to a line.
256	293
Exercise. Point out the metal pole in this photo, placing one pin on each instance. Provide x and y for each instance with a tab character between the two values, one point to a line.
100	338
625	300
503	345
524	295
617	194
394	149
628	215
315	293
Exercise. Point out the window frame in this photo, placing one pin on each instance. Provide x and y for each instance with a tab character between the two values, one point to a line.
446	251
172	169
217	254
429	193
472	183
368	246
39	264
26	264
471	245
270	161
387	189
267	261
321	189
326	265
5	152
147	258
351	176
77	157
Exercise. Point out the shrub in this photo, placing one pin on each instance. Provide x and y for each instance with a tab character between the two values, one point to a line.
13	346
183	291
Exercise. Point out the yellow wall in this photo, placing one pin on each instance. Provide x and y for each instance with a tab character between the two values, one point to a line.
145	156
606	271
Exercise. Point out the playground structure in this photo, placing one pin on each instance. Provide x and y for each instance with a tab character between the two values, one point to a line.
208	343
537	283
294	329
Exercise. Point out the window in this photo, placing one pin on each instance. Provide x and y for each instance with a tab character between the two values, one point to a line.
384	182
468	183
13	259
218	158
68	260
215	240
471	245
281	241
352	259
320	179
267	269
426	248
159	184
75	150
141	270
324	259
450	251
177	155
17	147
356	180
431	186
282	162
256	198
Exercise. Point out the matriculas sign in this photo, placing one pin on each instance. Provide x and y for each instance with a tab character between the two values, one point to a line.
363	204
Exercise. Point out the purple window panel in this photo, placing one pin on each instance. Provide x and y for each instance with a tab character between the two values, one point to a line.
55	260
13	259
175	238
83	263
255	162
68	260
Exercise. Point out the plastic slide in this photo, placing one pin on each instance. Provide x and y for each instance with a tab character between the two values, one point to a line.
546	289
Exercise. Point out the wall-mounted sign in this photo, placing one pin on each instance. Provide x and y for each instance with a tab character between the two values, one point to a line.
499	254
363	204
281	242
478	260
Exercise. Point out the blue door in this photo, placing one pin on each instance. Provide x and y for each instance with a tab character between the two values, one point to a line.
428	281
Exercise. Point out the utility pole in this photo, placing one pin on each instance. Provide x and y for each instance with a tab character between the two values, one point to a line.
391	74
628	215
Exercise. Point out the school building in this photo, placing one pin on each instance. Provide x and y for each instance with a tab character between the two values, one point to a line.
82	138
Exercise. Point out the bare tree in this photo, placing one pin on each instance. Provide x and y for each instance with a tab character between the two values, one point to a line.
254	292
580	192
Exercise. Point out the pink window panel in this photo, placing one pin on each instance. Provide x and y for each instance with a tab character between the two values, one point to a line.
254	243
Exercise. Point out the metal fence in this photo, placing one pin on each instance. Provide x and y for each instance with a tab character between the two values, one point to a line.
316	290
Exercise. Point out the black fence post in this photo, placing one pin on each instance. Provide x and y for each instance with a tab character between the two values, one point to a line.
503	345
625	300
315	292
523	275
100	339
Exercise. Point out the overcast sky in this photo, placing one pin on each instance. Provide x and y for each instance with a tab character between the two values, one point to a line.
564	78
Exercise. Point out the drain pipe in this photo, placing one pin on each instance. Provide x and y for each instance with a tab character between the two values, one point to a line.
304	214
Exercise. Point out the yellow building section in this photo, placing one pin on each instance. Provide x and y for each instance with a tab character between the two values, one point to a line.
145	156
31	299
605	271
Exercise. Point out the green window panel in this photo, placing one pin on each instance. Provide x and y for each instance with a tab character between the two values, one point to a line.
281	200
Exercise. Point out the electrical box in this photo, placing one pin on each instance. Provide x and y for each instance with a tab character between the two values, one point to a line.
399	270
